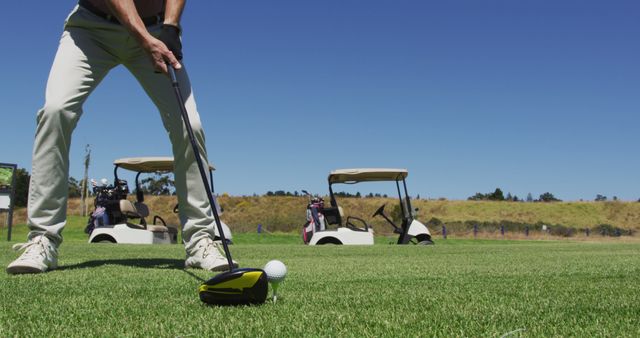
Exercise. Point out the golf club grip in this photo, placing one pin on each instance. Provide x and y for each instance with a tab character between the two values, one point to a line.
196	153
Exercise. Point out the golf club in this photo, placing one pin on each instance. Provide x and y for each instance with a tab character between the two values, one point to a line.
233	287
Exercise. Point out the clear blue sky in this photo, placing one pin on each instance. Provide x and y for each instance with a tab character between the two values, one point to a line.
528	96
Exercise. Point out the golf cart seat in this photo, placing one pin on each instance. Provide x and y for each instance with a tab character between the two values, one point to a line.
140	210
129	209
333	215
348	222
143	211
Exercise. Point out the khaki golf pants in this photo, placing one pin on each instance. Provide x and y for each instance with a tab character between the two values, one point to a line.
89	48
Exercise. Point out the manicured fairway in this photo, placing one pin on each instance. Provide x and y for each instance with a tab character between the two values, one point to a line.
455	288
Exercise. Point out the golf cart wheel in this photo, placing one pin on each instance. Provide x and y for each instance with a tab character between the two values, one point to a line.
329	240
104	239
424	239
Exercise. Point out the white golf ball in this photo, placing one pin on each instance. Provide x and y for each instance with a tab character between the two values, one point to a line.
275	270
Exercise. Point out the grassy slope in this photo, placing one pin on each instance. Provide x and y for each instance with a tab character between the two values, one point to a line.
456	288
286	214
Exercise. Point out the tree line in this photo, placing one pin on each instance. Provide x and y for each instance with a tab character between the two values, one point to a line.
337	194
498	195
154	185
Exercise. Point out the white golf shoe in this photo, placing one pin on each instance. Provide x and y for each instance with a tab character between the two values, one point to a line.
39	255
206	255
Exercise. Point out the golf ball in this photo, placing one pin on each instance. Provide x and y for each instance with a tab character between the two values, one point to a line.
275	270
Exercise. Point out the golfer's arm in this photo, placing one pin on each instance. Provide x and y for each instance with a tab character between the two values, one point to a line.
127	14
173	12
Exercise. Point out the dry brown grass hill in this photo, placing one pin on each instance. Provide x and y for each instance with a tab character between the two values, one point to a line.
287	214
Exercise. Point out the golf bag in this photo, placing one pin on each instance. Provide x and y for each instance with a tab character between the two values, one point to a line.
107	205
315	219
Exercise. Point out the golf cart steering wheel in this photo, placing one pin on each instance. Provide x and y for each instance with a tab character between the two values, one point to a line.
380	210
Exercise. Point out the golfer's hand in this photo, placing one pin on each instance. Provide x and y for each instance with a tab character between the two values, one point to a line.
170	36
160	55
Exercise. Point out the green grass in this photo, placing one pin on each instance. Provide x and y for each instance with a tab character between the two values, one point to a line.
455	288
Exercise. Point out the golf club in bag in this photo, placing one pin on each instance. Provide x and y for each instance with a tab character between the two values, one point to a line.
233	287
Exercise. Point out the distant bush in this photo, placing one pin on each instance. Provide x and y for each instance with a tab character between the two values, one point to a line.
600	198
548	197
497	195
346	194
435	225
561	230
612	231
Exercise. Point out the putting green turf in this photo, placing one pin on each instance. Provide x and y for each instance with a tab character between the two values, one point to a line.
455	288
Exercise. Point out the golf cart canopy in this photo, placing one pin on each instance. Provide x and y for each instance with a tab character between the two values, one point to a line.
148	164
350	176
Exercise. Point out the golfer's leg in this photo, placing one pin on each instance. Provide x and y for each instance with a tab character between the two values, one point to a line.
195	213
78	67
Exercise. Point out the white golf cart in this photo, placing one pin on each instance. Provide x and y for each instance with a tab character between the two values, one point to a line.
123	221
354	230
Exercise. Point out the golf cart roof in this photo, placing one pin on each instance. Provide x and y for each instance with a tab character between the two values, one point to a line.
148	164
367	175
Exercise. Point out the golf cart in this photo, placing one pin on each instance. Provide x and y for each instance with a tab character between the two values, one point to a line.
118	220
354	230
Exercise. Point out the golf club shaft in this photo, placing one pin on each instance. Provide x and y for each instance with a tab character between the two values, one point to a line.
196	153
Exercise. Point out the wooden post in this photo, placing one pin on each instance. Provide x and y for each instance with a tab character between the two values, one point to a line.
85	188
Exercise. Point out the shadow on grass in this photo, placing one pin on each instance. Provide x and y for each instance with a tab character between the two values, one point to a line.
149	263
194	276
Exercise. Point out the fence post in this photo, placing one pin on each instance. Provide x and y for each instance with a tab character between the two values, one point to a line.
444	231
475	230
587	231
526	231
502	230
259	228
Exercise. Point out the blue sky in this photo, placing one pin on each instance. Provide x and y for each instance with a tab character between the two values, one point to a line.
528	96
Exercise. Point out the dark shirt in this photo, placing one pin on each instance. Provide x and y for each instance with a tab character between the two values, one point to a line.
146	8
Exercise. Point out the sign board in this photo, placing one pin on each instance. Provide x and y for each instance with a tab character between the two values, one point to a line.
7	191
5	200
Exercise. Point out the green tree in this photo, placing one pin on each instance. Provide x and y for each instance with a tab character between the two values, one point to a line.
497	195
22	187
477	197
75	189
158	184
600	198
548	197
